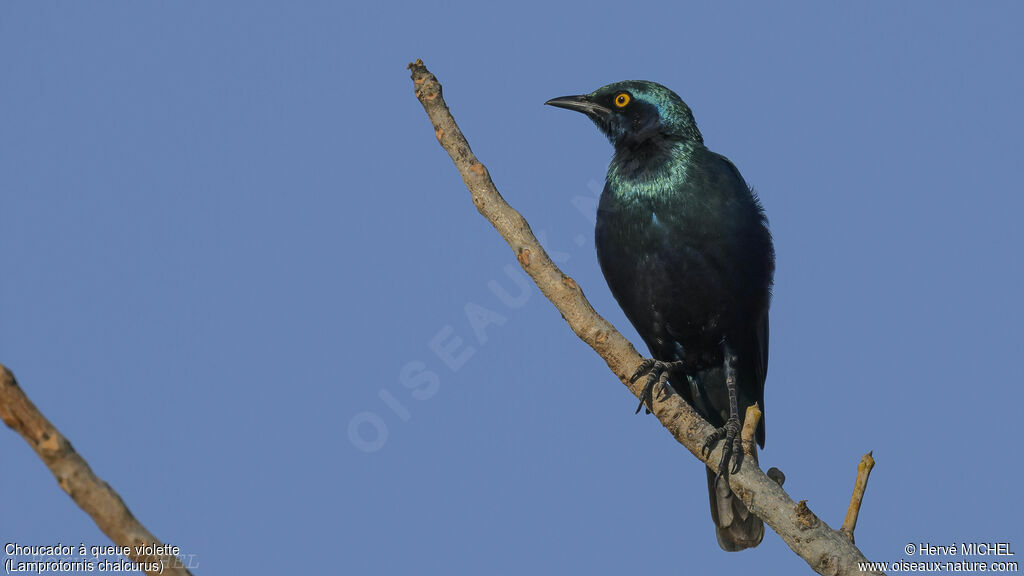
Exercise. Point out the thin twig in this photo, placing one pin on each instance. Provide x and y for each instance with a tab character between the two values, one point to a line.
826	550
750	421
74	476
867	462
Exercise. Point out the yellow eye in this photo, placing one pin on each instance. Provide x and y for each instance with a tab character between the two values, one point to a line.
621	100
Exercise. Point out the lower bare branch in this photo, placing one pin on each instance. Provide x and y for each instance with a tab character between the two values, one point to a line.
826	550
74	476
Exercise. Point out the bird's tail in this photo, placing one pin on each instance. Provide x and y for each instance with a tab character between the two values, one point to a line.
737	529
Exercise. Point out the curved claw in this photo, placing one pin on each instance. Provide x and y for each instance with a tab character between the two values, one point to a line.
644	398
662	386
732	429
657	382
737	450
653	369
733	447
709	444
645	367
658	373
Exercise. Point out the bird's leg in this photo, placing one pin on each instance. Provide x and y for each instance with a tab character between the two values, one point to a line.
657	379
730	432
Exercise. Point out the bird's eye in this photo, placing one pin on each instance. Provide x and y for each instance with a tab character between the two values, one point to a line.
621	100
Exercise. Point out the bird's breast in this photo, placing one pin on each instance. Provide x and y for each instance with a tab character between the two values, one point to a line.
671	281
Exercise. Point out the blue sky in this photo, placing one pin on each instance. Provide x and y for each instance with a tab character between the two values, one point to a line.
229	233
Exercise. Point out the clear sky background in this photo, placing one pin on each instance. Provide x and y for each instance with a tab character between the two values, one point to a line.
228	231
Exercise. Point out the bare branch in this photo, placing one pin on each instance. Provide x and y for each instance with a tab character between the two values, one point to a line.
826	550
867	462
74	476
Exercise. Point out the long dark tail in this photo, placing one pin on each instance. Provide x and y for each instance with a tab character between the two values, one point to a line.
737	529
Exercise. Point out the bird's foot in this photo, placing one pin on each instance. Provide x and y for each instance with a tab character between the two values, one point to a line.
657	380
733	447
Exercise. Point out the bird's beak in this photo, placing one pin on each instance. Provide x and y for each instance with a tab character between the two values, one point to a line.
581	103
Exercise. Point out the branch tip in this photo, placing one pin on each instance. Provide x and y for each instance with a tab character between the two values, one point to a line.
750	421
860	486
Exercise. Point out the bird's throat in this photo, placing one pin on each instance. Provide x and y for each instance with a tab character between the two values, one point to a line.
649	169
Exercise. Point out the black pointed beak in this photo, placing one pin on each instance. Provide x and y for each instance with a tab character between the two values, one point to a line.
581	103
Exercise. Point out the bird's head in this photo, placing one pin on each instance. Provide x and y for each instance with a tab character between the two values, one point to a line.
635	111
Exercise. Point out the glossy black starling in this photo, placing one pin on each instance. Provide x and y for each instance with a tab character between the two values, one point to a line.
684	245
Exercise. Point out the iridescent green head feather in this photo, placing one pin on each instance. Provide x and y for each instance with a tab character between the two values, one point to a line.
635	111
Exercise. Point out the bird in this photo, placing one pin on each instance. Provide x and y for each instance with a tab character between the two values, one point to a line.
684	245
